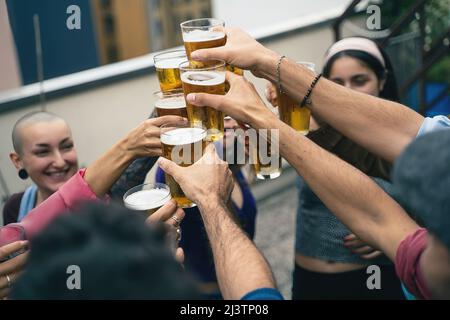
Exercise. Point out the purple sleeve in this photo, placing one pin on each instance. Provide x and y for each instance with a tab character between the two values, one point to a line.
160	176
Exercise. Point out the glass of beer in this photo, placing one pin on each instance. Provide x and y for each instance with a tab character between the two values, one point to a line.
183	145
170	103
166	64
204	34
264	153
147	198
207	80
290	111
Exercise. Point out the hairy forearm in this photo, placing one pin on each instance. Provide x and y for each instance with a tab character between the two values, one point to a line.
383	127
240	267
104	172
351	195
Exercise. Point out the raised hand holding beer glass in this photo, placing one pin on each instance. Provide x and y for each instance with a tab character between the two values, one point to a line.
184	145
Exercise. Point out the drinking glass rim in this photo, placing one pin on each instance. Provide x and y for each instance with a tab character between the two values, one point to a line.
202	134
221	64
154	185
221	23
158	55
160	94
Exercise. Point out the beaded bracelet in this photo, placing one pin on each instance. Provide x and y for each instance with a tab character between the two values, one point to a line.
280	87
306	99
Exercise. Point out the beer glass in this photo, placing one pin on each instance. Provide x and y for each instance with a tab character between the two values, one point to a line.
264	153
207	80
184	145
170	103
166	64
203	34
14	232
290	111
147	198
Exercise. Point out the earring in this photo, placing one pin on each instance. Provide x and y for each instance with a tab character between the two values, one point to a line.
23	174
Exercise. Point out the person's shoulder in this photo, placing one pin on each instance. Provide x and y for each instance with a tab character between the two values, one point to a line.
14	200
12	207
263	294
431	124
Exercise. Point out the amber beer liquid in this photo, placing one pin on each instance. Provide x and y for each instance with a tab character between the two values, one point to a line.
207	80
266	160
184	146
199	39
166	65
291	112
203	34
171	103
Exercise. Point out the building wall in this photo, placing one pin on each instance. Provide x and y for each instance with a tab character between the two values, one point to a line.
10	73
121	28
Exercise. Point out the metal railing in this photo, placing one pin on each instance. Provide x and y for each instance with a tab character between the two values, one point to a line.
428	55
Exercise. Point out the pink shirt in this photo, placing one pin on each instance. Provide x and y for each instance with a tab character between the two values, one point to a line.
407	263
69	195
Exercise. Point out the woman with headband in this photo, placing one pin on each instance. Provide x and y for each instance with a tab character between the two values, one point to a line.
330	262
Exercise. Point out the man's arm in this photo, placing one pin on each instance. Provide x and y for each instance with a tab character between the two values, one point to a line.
382	127
351	195
240	266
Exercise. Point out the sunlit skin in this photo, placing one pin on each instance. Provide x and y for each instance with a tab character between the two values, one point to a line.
48	155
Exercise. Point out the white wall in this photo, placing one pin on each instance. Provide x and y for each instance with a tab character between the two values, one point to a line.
256	15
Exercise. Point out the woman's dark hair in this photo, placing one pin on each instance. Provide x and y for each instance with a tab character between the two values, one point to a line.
390	89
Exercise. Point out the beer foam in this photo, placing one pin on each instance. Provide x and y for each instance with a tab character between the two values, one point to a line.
183	136
171	103
147	199
170	63
202	35
203	78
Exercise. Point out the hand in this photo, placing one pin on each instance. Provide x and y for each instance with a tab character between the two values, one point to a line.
271	94
242	101
354	244
10	269
241	50
172	216
144	140
208	181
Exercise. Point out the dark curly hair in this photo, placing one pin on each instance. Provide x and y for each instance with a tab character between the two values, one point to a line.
119	256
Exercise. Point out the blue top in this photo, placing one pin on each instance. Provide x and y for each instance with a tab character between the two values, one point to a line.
320	234
263	294
194	240
434	124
